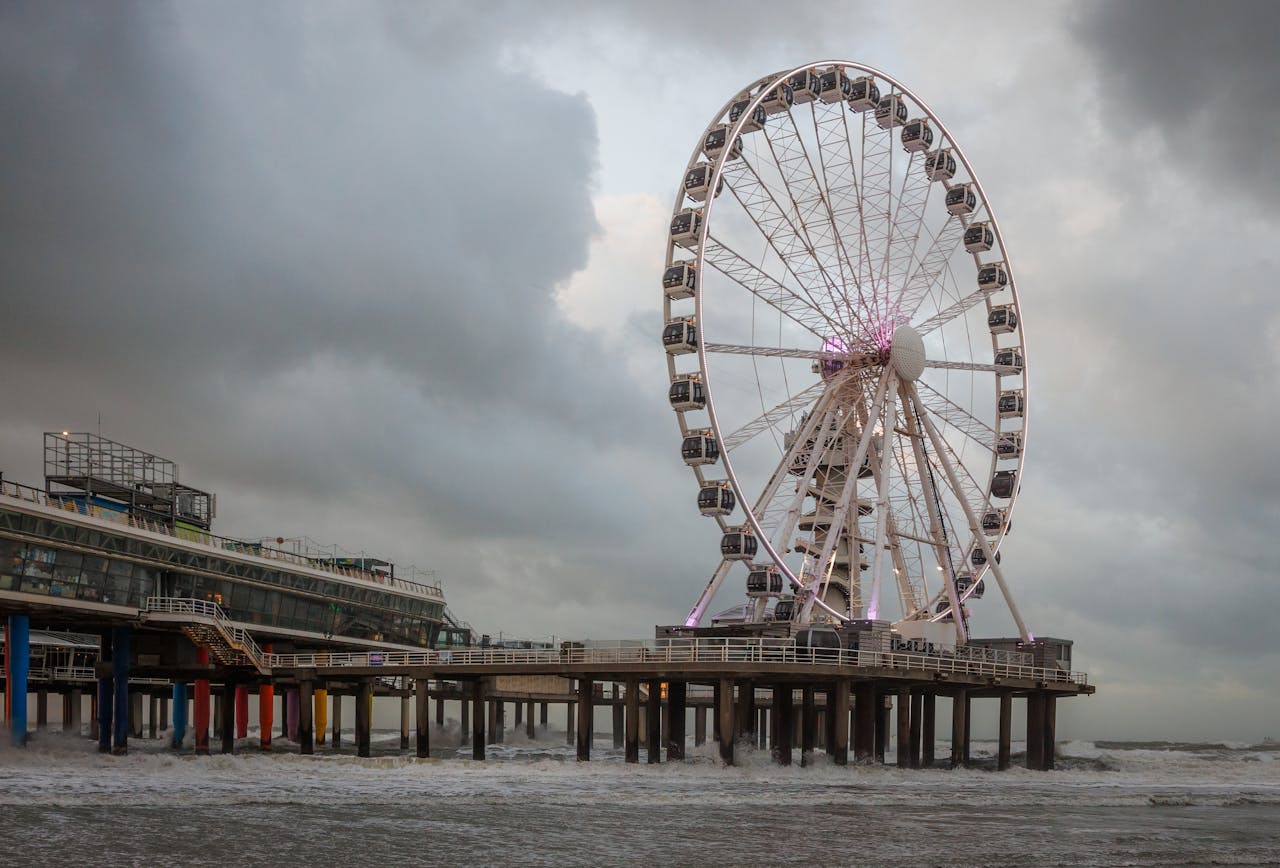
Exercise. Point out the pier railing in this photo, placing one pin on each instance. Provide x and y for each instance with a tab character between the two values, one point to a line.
682	651
237	638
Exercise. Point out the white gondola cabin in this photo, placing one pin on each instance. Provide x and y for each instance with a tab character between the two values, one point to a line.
979	590
805	86
778	100
891	111
992	277
1002	320
864	94
834	86
697	182
940	165
716	498
687	393
685	227
1004	484
1011	359
738	544
978	557
680	336
680	280
961	199
964	581
715	143
917	135
754	123
763	581
699	447
978	238
1009	445
1011	404
944	608
995	522
784	609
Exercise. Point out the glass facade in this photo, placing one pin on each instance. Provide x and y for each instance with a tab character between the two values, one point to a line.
251	593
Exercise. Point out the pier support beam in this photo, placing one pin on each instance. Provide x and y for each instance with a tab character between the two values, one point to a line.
291	713
724	714
135	714
404	719
808	725
42	709
106	695
864	707
959	737
838	721
477	719
1049	752
227	702
179	733
904	728
530	726
336	738
321	715
884	721
699	726
501	731
439	711
266	708
746	713
917	713
632	736
968	727
153	717
75	702
464	719
570	712
120	637
422	716
715	711
653	722
493	721
676	693
585	715
615	710
783	716
1035	731
1006	730
17	668
364	718
542	715
242	711
306	717
928	729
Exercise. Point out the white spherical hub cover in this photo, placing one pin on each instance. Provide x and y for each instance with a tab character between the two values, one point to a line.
906	353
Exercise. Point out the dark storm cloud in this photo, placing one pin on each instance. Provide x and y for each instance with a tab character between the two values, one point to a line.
1203	75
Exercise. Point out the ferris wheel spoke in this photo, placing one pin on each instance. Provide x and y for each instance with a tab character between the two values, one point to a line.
907	224
980	367
774	415
799	309
930	269
974	525
958	417
882	505
704	599
765	352
949	313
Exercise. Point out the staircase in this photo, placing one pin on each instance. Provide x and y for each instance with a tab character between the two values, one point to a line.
204	622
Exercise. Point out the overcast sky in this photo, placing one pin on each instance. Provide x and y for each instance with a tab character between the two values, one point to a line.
387	275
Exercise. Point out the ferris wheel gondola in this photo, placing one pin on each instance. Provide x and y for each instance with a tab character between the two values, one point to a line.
845	352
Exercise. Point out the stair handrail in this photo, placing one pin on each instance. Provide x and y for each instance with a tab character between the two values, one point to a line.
237	637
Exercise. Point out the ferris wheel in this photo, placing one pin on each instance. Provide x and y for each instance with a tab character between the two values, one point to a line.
846	355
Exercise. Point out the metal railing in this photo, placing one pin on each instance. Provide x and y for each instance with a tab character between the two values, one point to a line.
237	638
669	651
38	496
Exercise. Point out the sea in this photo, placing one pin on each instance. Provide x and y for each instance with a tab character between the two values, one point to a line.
531	803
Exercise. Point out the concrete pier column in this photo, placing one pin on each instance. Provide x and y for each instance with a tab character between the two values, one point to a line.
501	731
106	694
653	723
242	711
784	717
808	725
615	711
724	714
864	707
120	637
699	726
762	729
75	703
404	720
1035	731
838	716
1050	749
291	713
164	713
42	709
321	715
477	719
283	693
135	714
422	716
883	723
968	727
306	717
928	730
179	733
153	717
676	694
530	726
17	669
585	715
917	713
464	718
715	711
439	711
542	715
570	718
959	738
904	728
227	729
1006	730
266	708
93	713
632	724
364	718
519	715
746	714
336	736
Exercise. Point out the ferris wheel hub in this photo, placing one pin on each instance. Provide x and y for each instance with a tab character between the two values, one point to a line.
906	353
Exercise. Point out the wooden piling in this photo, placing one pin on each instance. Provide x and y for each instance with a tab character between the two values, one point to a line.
306	711
676	693
477	719
808	726
632	739
653	722
904	728
1006	730
838	714
928	730
421	717
585	715
958	735
364	718
784	734
724	714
